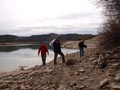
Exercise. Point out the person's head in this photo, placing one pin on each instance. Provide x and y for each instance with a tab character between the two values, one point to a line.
42	43
57	41
81	40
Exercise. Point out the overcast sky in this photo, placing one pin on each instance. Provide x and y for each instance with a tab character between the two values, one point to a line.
35	17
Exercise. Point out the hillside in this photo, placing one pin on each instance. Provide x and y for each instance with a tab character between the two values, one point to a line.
6	39
85	73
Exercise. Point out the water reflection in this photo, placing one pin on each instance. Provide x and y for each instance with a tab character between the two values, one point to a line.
10	48
11	57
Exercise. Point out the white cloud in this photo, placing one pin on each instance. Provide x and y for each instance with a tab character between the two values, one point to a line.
15	14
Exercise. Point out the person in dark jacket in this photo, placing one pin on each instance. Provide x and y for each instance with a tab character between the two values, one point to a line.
81	47
57	50
43	49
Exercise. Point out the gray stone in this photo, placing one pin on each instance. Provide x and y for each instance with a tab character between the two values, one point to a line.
83	78
1	81
76	73
81	70
115	65
114	86
28	87
117	77
92	58
103	83
21	81
61	87
73	83
15	87
10	82
81	87
94	62
23	87
48	70
3	86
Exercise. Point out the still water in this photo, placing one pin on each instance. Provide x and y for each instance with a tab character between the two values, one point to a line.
11	57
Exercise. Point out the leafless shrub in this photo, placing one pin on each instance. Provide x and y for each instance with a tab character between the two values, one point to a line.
111	28
110	35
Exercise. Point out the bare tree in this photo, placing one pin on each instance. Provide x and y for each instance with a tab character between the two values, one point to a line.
111	27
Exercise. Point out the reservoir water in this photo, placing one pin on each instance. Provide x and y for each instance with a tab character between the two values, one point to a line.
11	57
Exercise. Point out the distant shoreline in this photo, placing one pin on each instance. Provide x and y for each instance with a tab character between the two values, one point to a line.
17	44
7	43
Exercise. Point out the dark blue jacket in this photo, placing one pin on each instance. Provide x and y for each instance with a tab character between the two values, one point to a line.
57	46
82	45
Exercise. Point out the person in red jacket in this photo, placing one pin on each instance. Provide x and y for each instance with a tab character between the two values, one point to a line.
43	49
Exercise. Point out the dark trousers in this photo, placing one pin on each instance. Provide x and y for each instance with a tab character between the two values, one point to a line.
43	59
81	52
55	57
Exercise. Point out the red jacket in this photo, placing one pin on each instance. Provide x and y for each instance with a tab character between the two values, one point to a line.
43	49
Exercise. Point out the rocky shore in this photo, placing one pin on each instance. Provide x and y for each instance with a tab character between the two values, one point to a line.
80	73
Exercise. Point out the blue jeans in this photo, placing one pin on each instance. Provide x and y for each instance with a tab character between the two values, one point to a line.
81	52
